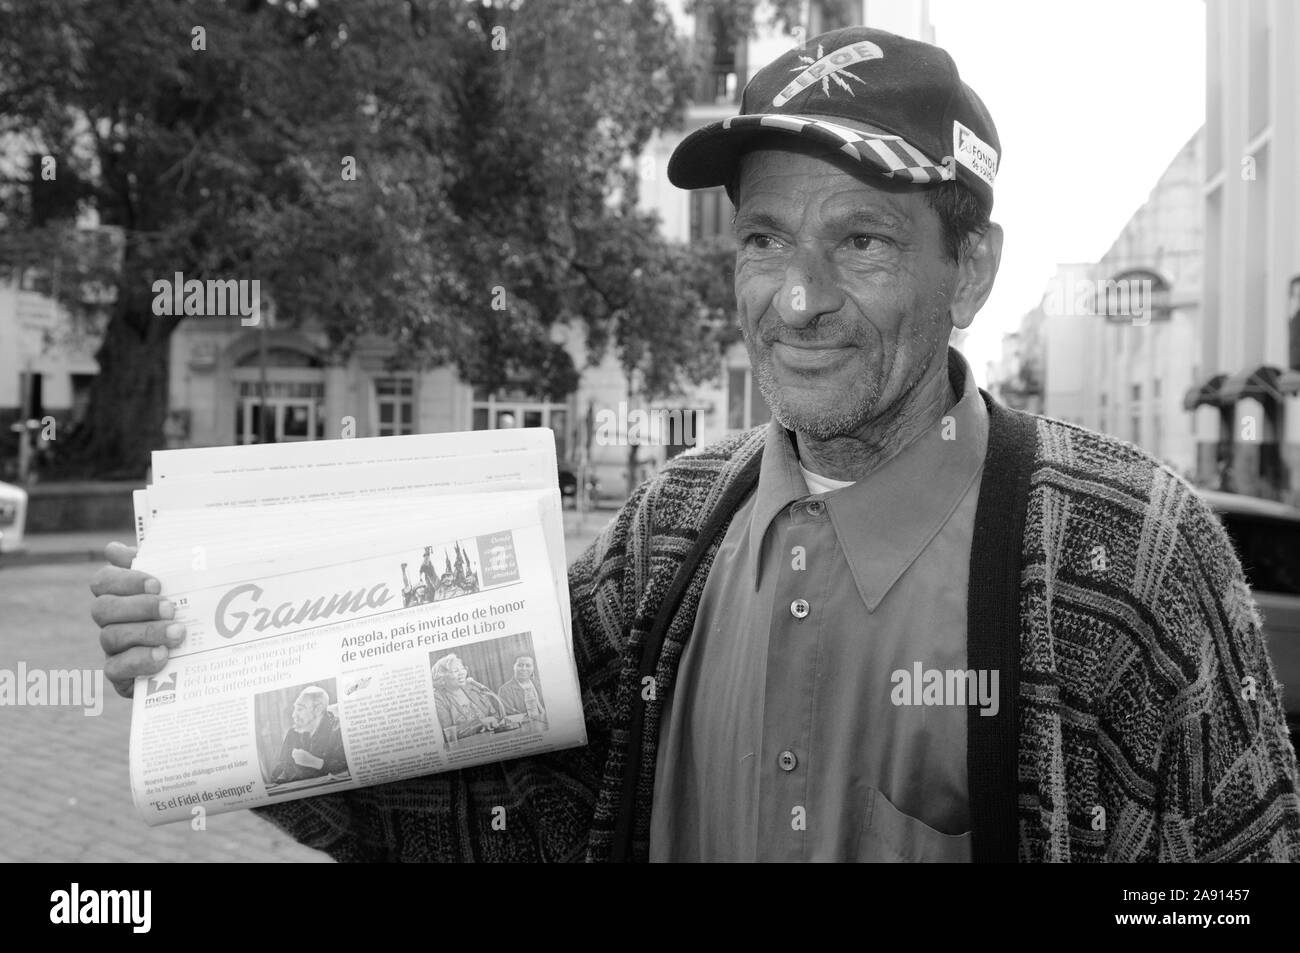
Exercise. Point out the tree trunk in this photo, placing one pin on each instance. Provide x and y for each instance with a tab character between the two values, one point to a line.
128	400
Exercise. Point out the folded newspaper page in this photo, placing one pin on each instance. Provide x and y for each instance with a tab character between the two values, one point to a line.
357	612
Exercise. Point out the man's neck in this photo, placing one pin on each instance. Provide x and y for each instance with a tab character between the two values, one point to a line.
857	455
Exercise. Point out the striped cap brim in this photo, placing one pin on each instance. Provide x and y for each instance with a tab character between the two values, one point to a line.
707	157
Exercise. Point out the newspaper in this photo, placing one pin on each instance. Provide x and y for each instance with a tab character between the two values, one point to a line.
357	612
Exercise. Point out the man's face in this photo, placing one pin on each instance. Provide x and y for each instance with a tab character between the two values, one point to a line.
304	713
842	286
523	669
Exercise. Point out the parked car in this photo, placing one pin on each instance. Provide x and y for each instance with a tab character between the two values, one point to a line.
1266	536
13	517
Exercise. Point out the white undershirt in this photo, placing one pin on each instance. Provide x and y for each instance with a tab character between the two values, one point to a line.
820	484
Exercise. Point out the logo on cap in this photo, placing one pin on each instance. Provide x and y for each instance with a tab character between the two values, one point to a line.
827	68
974	153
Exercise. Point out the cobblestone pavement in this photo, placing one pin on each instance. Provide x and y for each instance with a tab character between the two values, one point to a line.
64	793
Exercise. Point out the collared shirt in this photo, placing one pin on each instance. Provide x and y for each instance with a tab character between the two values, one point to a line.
782	739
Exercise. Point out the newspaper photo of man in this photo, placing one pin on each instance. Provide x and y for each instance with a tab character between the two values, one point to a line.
312	745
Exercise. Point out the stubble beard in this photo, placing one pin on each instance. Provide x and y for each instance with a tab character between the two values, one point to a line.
837	419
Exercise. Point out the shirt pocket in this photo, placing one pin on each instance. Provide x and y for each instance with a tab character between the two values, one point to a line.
890	836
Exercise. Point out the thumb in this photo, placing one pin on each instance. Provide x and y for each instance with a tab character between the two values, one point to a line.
119	554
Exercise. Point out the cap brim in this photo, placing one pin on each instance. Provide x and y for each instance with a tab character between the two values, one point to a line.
708	156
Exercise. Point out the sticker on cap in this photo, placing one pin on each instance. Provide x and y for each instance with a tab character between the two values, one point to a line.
829	66
974	153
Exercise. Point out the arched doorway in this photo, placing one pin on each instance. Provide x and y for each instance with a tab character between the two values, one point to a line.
294	401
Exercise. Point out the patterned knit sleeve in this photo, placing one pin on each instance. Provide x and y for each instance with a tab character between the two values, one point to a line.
1228	789
527	809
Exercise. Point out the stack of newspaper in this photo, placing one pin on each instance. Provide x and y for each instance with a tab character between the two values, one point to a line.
357	612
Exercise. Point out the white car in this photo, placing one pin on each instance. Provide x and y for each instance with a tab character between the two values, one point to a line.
13	517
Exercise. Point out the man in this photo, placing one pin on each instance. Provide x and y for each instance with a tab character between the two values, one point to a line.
464	707
901	622
522	696
313	747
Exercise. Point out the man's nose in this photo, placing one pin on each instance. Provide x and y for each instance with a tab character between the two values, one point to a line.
809	290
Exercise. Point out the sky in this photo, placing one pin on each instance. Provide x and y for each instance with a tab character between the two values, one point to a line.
1092	100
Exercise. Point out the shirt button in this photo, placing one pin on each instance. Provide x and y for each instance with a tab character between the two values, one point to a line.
799	608
787	761
815	507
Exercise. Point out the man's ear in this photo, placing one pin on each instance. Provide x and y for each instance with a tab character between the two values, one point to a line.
976	271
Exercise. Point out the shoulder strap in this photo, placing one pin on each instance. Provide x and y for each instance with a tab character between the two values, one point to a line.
993	631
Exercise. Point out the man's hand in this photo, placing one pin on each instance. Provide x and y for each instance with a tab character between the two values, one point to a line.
304	758
135	630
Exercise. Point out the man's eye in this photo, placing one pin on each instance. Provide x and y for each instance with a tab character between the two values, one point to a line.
866	242
760	241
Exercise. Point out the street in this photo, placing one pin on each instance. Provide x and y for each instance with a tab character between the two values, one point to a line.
64	793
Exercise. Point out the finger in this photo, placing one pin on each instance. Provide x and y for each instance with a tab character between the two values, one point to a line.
119	637
114	581
110	609
133	663
119	554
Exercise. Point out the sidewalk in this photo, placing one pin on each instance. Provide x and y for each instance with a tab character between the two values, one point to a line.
48	548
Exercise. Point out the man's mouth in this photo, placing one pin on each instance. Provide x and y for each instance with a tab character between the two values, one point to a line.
808	357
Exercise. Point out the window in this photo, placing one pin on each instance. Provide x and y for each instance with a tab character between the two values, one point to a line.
720	81
81	384
1137	392
395	404
711	214
832	15
1155	388
514	407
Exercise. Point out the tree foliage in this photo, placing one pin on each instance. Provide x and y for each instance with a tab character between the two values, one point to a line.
492	148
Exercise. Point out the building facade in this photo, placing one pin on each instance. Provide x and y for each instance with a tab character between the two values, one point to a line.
46	367
1246	397
1121	335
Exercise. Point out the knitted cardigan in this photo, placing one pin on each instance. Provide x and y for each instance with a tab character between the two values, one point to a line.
1141	718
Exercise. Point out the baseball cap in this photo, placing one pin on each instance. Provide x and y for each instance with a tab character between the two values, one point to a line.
896	105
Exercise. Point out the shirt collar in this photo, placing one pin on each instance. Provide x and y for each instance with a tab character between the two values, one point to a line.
886	520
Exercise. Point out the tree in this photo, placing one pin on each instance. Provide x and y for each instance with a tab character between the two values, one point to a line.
490	143
643	283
